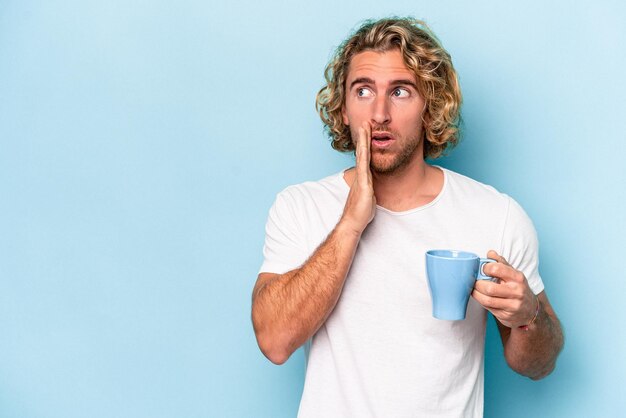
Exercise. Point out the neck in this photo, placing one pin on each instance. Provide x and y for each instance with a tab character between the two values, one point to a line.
408	187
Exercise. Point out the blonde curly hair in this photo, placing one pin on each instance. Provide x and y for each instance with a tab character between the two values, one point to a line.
423	54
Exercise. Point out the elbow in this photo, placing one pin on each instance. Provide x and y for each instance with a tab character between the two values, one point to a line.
535	365
532	371
273	347
274	352
544	373
276	356
538	375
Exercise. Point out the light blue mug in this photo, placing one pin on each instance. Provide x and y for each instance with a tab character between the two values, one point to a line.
451	277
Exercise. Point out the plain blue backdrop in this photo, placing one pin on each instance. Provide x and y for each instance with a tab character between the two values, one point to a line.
143	142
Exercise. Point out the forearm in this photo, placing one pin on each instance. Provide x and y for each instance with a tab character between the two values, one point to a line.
533	352
288	309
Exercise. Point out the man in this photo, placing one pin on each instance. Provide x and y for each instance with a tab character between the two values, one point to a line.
344	270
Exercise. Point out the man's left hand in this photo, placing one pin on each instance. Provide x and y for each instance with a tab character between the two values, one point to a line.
509	299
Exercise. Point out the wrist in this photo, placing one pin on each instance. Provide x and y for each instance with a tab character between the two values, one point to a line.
346	227
534	318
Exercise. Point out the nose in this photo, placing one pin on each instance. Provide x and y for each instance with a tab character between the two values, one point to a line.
380	114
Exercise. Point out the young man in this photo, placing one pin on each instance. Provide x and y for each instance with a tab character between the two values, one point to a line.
344	270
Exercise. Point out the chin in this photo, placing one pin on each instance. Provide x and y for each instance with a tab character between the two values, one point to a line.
388	165
386	168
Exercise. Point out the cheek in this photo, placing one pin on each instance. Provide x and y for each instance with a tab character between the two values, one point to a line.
355	112
409	116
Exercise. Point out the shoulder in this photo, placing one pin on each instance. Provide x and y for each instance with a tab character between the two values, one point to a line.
332	187
470	190
488	200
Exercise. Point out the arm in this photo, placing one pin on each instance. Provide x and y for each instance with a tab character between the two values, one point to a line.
531	352
287	309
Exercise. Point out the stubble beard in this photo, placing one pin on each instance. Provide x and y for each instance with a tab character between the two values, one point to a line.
384	162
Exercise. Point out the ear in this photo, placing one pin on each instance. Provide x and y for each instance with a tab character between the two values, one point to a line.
344	114
425	117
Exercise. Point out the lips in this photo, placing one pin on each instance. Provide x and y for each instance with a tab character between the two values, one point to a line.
382	139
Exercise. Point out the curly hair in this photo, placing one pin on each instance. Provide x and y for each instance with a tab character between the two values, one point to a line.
423	54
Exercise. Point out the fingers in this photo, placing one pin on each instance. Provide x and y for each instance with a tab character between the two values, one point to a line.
367	129
499	290
360	206
363	143
503	272
512	304
490	302
504	317
495	256
509	300
507	311
502	269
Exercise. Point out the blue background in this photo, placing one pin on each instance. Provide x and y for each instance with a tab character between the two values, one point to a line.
143	142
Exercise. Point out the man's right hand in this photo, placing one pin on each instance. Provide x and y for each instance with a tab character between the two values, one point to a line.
289	308
361	204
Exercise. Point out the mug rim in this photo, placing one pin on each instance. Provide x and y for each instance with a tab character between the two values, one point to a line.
452	254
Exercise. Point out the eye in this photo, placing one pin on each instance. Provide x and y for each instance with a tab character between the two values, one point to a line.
400	92
363	92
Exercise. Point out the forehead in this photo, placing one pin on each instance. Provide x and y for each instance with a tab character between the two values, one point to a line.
388	65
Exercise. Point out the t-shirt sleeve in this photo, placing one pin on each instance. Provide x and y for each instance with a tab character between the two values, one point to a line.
520	246
284	248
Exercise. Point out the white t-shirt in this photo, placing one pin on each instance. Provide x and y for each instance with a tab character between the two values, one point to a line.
380	353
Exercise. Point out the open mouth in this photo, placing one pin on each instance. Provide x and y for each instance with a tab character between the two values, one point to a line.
381	136
382	139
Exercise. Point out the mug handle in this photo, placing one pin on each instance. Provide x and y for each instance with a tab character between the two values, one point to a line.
481	275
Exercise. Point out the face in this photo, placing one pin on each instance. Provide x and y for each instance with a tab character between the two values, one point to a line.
380	89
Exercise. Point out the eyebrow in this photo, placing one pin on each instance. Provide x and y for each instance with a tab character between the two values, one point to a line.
367	80
362	80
